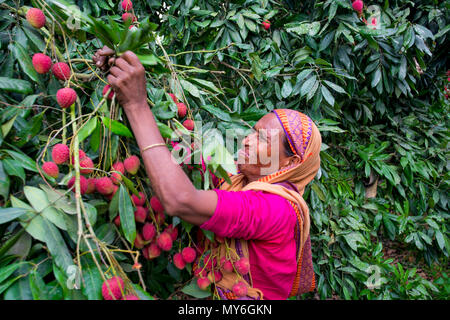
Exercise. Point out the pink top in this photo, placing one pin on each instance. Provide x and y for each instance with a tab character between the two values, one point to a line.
269	221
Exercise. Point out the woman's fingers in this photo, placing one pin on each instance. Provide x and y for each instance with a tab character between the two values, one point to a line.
122	64
131	58
105	51
115	71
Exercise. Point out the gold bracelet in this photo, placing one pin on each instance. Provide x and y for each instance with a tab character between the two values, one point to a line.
153	145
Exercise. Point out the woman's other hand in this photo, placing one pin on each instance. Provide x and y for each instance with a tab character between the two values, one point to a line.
101	57
127	77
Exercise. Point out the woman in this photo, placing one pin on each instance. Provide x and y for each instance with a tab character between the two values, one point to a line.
262	216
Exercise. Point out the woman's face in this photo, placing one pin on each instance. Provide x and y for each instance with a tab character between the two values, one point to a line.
263	151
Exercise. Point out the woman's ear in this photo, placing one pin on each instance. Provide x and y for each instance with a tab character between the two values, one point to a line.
292	160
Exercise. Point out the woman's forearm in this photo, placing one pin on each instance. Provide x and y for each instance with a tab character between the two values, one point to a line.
172	186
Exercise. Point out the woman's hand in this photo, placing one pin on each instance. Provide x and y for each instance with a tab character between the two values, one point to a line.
127	78
101	56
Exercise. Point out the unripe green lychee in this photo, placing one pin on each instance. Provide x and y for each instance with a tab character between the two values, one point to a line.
60	153
61	70
66	97
51	169
35	17
41	63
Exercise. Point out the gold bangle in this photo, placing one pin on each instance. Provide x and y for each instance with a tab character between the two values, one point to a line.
153	145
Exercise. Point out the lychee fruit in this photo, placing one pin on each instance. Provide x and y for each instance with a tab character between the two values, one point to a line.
66	97
86	165
156	204
174	98
60	153
178	261
226	265
111	195
189	124
51	169
131	164
81	155
41	63
173	231
140	215
91	185
240	289
83	184
358	5
188	254
104	186
266	24
139	242
130	297
114	292
36	17
127	5
200	273
61	70
148	231
117	220
210	262
182	110
105	90
242	266
128	16
138	201
203	283
154	251
116	177
215	276
164	241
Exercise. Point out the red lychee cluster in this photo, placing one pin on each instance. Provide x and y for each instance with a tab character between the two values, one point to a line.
187	255
114	289
182	109
266	24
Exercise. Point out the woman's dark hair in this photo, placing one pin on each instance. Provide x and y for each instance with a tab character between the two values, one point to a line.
287	148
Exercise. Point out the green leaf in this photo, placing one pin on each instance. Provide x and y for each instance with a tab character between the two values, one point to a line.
117	127
25	63
39	201
15	85
14	169
87	129
307	86
25	161
206	84
335	87
9	214
376	77
327	95
192	89
221	114
126	212
286	89
4	182
6	127
93	282
166	131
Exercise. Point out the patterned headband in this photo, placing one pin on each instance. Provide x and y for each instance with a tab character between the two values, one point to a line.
297	127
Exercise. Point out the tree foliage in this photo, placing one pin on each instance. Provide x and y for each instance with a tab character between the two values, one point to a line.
375	90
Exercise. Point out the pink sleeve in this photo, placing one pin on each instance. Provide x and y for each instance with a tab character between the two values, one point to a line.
250	214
